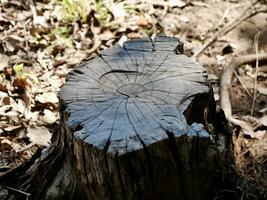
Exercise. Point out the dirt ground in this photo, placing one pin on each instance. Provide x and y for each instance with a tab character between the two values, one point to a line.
40	43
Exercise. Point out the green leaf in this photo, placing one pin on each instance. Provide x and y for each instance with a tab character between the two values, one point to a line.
27	75
18	68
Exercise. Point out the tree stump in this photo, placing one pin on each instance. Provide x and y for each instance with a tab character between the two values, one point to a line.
134	125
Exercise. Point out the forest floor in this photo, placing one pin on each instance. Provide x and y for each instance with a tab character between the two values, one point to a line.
41	41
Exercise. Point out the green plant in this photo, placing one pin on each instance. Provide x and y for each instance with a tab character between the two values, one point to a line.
62	35
101	11
72	10
18	69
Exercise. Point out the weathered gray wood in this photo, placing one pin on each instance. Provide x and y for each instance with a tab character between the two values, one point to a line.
133	126
129	96
126	109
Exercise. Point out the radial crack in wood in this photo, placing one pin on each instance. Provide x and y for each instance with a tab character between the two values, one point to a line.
134	124
132	93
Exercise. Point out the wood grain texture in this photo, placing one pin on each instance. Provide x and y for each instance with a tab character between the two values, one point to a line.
129	96
133	126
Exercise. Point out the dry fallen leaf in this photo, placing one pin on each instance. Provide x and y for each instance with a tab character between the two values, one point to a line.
118	11
6	110
212	77
55	82
263	110
106	35
4	59
141	21
262	90
39	135
12	144
122	40
12	128
184	19
263	120
177	3
31	116
2	95
260	134
37	19
49	117
49	97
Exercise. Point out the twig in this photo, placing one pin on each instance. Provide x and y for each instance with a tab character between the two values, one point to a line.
25	148
243	85
221	20
256	72
26	39
97	43
16	190
250	11
225	85
159	3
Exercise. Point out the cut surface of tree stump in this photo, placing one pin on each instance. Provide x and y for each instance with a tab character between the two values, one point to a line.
126	109
130	96
133	126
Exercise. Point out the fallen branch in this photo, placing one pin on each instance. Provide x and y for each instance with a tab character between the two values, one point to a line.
225	85
16	190
96	45
256	41
250	11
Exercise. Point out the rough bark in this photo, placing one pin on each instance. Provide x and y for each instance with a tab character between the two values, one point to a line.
135	124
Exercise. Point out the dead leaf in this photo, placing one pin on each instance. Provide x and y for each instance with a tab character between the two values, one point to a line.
55	82
12	128
106	35
37	19
3	88
183	18
2	95
202	4
7	143
263	110
260	134
141	21
39	135
263	120
49	97
122	40
31	116
21	85
6	100
21	107
6	110
212	77
57	63
262	90
26	99
49	117
178	3
4	59
118	11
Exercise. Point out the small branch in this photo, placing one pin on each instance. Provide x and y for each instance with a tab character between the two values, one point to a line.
25	148
222	19
96	43
226	80
256	73
16	190
95	47
250	11
243	85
